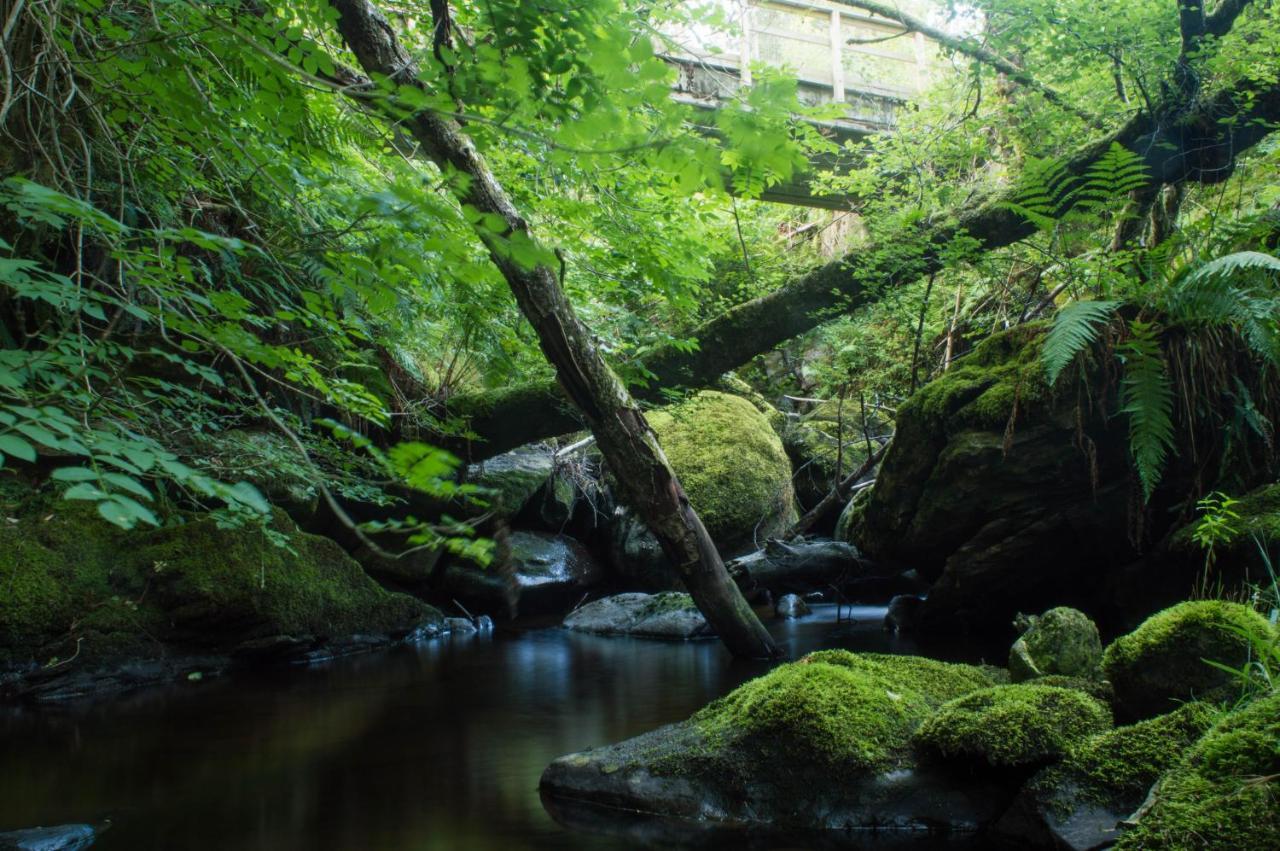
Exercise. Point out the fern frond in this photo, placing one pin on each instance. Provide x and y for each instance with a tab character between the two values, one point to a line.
1074	329
1234	264
1117	173
1147	397
1044	192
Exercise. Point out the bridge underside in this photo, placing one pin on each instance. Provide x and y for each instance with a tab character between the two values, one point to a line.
704	85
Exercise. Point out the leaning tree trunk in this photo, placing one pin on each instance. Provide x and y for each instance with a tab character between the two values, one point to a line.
631	450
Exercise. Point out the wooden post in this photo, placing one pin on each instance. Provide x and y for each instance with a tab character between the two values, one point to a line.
837	59
922	47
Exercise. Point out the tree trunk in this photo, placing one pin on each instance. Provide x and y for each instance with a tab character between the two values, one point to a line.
630	448
1196	141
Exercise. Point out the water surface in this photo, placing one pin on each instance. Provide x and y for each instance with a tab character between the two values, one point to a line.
433	746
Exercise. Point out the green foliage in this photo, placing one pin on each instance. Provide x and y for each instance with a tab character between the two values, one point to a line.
1217	523
1075	328
1147	398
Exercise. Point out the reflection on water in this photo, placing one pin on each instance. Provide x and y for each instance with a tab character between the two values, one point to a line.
437	746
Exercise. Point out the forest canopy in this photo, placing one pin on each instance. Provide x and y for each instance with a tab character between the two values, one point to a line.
215	217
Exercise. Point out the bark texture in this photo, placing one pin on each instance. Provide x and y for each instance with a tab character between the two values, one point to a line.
622	434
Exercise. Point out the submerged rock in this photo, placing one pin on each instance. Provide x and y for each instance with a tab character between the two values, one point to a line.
545	572
789	607
1062	641
1166	660
822	743
64	837
667	615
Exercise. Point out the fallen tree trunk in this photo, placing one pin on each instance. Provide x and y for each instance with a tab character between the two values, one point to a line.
1189	139
644	478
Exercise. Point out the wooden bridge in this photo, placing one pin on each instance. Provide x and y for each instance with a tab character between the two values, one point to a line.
870	64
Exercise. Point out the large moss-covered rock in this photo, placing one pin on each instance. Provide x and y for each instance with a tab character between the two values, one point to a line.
671	615
1166	660
824	742
732	466
1062	641
1224	794
1079	802
543	573
1009	495
1013	726
511	479
79	591
738	478
823	444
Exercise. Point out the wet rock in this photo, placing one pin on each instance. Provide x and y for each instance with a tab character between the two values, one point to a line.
545	572
666	615
459	626
1163	662
823	743
790	606
1062	641
637	557
64	837
901	613
513	477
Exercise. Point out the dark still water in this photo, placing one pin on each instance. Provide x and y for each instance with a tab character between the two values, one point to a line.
435	746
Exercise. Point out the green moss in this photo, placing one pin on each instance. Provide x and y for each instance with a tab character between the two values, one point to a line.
731	463
1163	661
1121	765
1225	793
1013	725
980	391
1096	688
843	710
731	383
668	601
1061	641
71	583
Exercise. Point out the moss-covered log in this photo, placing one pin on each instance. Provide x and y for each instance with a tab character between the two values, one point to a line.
1197	140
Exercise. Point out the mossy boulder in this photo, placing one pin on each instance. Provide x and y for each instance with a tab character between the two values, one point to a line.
732	465
670	615
79	591
1224	793
511	479
822	444
824	742
1062	641
542	573
1012	726
1079	802
1166	660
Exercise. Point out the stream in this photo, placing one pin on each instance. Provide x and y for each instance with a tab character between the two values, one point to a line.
437	745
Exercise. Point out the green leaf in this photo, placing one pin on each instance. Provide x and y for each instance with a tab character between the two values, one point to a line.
1075	328
127	483
74	474
11	444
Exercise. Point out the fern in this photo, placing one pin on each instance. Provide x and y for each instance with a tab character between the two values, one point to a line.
1147	396
1074	329
1117	173
1231	265
1237	289
1044	192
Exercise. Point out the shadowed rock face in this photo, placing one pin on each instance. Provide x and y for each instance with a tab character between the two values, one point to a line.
546	571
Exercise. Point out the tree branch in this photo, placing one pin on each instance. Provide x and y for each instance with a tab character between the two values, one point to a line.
977	52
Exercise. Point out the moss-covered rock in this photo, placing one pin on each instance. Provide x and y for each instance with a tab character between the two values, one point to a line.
824	444
1078	802
732	466
1224	794
1013	725
1166	660
816	744
1062	641
846	710
75	588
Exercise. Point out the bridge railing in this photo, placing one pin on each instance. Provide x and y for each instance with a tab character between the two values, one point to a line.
839	54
